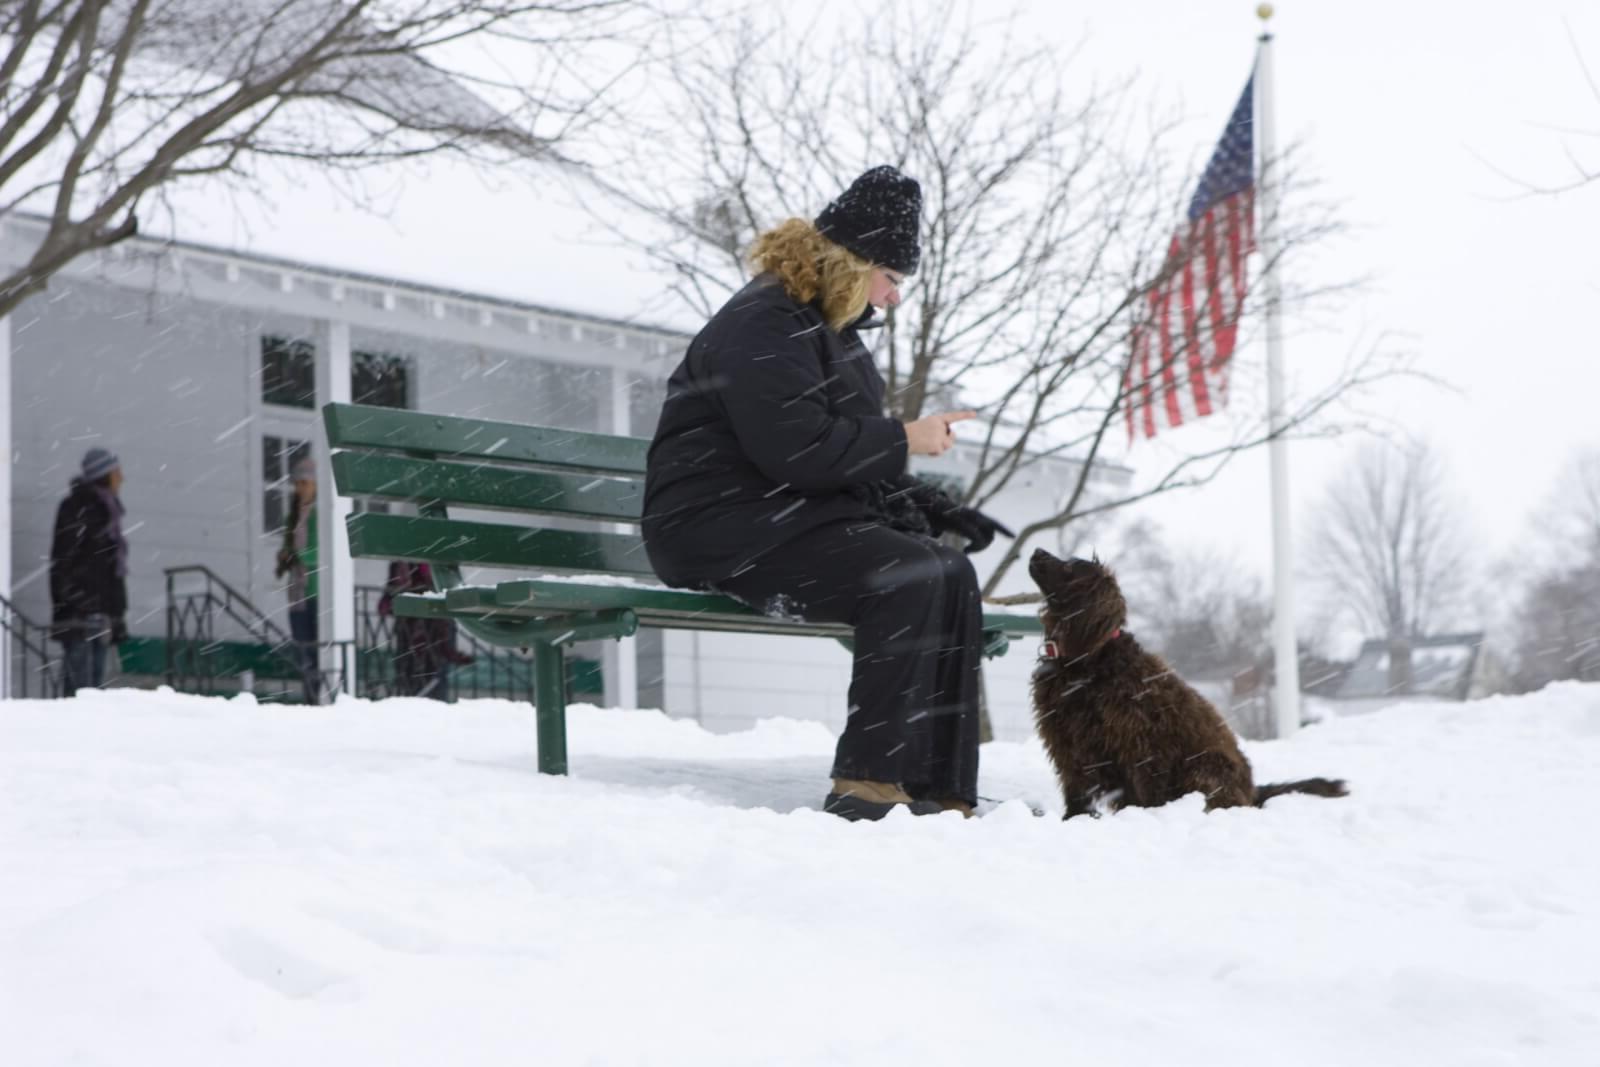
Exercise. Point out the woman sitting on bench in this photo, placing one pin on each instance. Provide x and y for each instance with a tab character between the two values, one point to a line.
775	477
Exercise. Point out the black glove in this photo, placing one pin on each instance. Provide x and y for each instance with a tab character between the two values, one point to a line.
978	528
119	630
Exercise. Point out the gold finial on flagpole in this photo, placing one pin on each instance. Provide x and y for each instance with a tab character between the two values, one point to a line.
1264	11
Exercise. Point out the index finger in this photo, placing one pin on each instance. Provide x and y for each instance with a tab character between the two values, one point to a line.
957	416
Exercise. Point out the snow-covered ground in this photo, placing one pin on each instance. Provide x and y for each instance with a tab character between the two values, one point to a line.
209	882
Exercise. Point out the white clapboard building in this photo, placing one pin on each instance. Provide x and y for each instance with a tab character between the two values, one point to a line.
203	369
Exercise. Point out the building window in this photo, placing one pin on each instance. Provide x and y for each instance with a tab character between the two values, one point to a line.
381	379
278	457
570	397
645	397
288	371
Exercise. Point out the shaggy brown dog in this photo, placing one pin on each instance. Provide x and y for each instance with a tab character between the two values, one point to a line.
1119	726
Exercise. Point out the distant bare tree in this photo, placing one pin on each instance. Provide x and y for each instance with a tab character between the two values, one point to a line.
104	103
1567	527
1557	629
1200	609
1555	625
1047	215
1388	544
1206	616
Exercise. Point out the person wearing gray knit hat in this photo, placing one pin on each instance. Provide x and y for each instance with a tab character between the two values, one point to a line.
88	572
99	462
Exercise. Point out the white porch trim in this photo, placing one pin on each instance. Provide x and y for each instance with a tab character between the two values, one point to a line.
5	486
619	660
336	590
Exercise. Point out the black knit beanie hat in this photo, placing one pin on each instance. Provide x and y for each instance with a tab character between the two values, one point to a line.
878	218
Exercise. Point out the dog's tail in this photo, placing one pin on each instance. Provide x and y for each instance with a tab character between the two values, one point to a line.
1320	787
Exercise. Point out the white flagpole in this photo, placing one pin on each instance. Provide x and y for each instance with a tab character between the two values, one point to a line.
1286	695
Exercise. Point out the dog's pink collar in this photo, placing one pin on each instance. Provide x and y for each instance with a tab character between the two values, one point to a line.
1051	650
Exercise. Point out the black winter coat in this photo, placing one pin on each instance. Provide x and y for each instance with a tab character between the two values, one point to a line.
83	561
773	425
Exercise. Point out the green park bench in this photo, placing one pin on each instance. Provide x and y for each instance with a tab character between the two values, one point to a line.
591	583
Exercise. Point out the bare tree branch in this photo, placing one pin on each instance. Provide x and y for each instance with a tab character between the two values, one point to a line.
1585	173
1049	214
105	103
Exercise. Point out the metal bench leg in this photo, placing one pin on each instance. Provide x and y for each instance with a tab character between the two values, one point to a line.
550	696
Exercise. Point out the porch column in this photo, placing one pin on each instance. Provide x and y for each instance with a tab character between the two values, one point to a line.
619	660
5	456
336	595
5	490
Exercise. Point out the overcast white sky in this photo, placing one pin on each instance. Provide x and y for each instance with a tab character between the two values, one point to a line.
1403	110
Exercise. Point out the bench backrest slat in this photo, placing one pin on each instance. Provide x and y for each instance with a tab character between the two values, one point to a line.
363	427
582	496
494	545
440	463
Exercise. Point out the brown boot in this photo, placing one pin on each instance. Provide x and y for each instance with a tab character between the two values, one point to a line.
956	805
856	800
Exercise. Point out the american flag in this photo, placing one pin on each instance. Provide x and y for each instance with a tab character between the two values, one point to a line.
1178	370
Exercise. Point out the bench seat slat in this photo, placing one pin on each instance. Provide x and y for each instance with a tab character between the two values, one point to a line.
474	598
489	544
666	608
998	629
478	607
571	596
422	606
583	496
363	426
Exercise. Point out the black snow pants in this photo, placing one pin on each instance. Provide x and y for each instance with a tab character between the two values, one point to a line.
918	619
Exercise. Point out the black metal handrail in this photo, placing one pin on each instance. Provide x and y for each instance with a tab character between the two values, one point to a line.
196	661
497	672
28	669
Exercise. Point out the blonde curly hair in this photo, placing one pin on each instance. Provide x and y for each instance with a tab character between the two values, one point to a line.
811	266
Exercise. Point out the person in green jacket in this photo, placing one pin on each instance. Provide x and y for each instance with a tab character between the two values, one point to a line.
298	560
